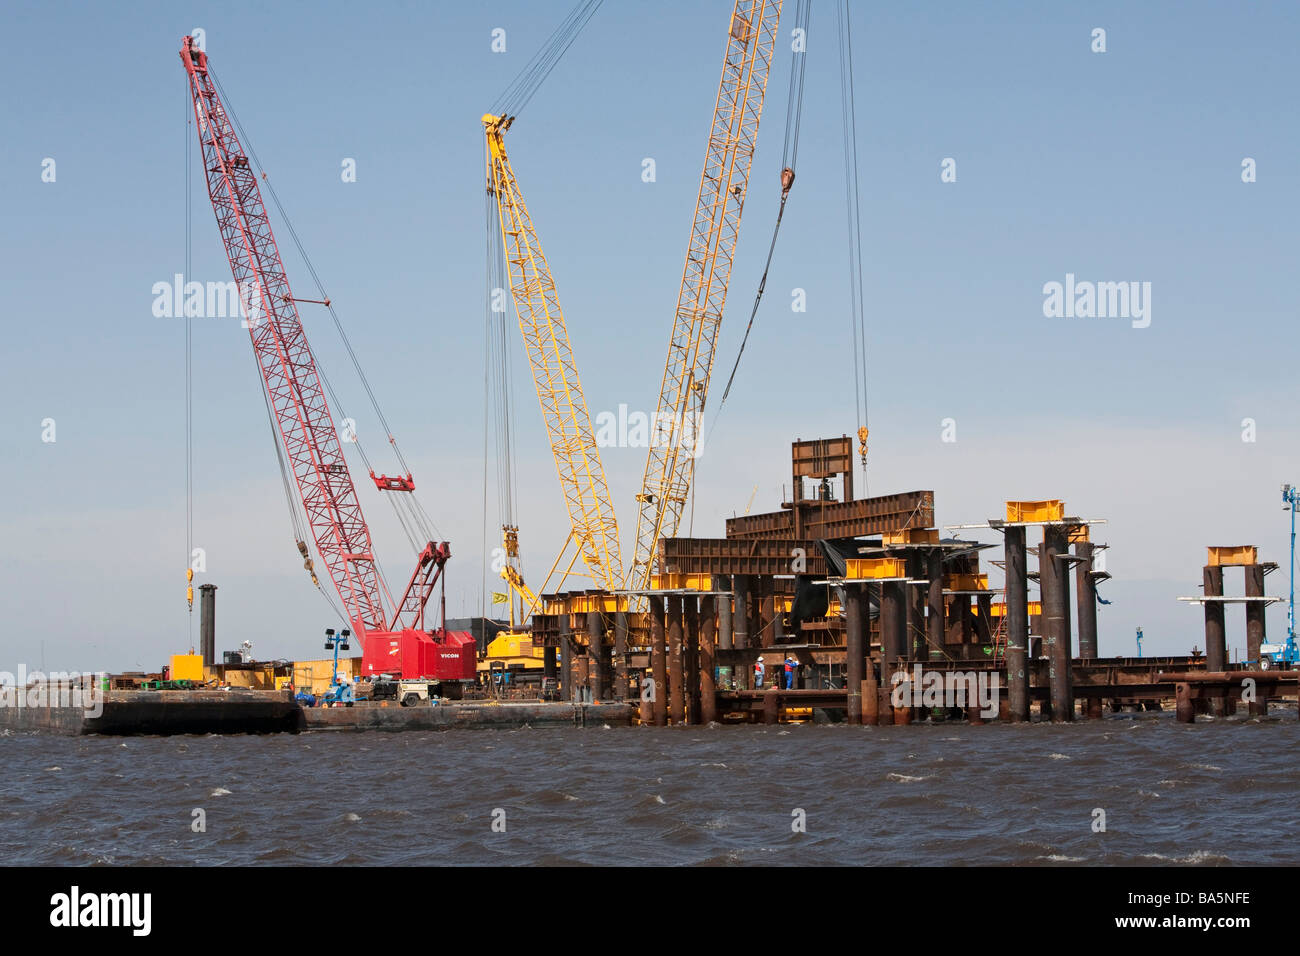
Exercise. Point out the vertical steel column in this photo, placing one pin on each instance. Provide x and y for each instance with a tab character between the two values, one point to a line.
1086	586
1052	582
768	614
676	678
1255	631
934	624
916	639
659	662
893	638
740	623
724	617
708	660
1017	623
1216	648
691	657
548	663
208	623
566	659
596	653
854	656
620	655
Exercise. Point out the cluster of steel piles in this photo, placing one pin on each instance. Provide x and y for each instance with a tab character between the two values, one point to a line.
897	596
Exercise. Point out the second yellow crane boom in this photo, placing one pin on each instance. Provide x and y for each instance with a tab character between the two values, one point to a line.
714	230
593	528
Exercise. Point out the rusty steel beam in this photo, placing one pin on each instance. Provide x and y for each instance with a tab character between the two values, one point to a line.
840	519
727	556
1017	624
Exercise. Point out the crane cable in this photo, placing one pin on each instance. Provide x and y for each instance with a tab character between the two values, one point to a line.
530	78
853	208
790	155
189	377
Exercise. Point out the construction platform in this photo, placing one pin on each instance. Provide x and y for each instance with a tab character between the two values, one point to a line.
472	714
243	711
152	712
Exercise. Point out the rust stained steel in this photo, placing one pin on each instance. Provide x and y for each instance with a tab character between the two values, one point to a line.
620	655
1255	625
1054	585
840	519
1017	624
709	606
676	677
1216	649
659	660
691	658
728	556
1086	590
855	657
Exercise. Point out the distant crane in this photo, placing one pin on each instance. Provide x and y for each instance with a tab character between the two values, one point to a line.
1285	653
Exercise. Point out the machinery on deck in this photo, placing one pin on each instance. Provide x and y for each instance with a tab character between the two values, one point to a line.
394	641
1286	653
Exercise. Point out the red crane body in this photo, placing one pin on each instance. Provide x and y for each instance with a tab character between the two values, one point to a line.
398	645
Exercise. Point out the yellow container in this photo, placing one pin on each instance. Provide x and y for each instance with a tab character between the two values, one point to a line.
1233	555
1051	510
871	569
912	536
681	582
187	667
966	582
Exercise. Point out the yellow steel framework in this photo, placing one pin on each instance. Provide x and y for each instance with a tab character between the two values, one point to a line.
723	187
593	528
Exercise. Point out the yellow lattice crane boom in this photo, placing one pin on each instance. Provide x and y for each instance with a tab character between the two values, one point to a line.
723	186
593	528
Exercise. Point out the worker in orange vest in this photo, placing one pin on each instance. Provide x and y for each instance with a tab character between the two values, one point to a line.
760	670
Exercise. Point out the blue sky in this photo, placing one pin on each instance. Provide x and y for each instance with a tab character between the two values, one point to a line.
1115	166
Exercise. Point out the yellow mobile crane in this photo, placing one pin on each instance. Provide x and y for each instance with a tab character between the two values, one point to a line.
593	528
676	428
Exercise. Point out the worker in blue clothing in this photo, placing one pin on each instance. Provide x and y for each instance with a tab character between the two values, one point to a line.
790	665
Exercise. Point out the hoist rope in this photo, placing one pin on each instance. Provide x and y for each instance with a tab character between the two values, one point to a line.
853	208
790	154
189	368
530	78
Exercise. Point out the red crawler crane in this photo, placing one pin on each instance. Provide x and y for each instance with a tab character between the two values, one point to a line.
396	645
